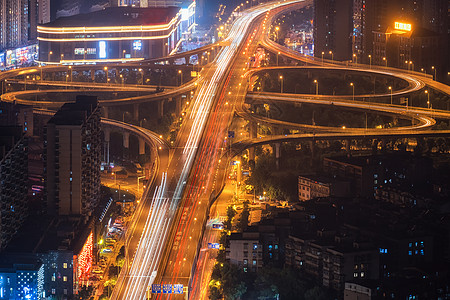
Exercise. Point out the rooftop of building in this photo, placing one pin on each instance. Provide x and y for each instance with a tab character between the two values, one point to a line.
75	113
119	16
414	32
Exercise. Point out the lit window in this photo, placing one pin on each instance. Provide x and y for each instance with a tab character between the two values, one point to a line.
355	274
362	274
64	278
65	265
254	262
53	277
53	291
255	246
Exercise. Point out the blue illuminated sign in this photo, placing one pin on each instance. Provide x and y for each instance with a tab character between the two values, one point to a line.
217	226
178	289
167	289
213	245
102	49
137	45
156	288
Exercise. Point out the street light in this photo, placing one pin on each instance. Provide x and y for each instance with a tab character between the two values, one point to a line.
331	52
412	65
278	53
390	89
385	61
428	98
353	89
49	53
123	53
142	75
281	78
181	76
276	31
115	177
121	77
62	57
370	61
106	72
317	86
356	58
433	68
67	77
322	57
70	70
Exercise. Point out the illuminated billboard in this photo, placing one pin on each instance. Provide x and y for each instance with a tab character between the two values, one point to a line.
137	45
402	26
102	49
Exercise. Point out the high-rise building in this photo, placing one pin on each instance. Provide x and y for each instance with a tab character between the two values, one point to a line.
13	23
73	158
14	179
333	29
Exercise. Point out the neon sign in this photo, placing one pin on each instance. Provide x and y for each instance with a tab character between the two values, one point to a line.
402	26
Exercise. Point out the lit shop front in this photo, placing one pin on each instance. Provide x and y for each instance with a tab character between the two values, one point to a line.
115	34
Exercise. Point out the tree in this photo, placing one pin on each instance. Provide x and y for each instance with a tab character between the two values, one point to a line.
243	221
316	293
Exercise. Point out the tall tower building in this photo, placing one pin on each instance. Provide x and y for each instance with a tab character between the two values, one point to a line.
333	29
73	158
13	23
14	180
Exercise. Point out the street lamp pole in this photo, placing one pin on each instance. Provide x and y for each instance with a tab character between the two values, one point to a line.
181	77
106	72
356	58
331	52
428	98
353	89
49	54
317	86
278	53
390	89
322	57
281	78
385	61
370	61
433	68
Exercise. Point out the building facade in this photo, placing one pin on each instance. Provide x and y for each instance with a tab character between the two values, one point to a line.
14	181
245	251
114	34
73	158
14	16
333	29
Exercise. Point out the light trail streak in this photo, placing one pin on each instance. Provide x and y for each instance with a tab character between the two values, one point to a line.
147	257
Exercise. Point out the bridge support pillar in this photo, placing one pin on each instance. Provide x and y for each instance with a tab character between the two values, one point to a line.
253	130
93	75
107	139
126	140
136	111
277	155
178	106
105	112
141	146
251	153
187	60
161	109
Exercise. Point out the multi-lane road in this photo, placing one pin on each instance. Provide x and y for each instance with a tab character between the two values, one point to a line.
166	233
